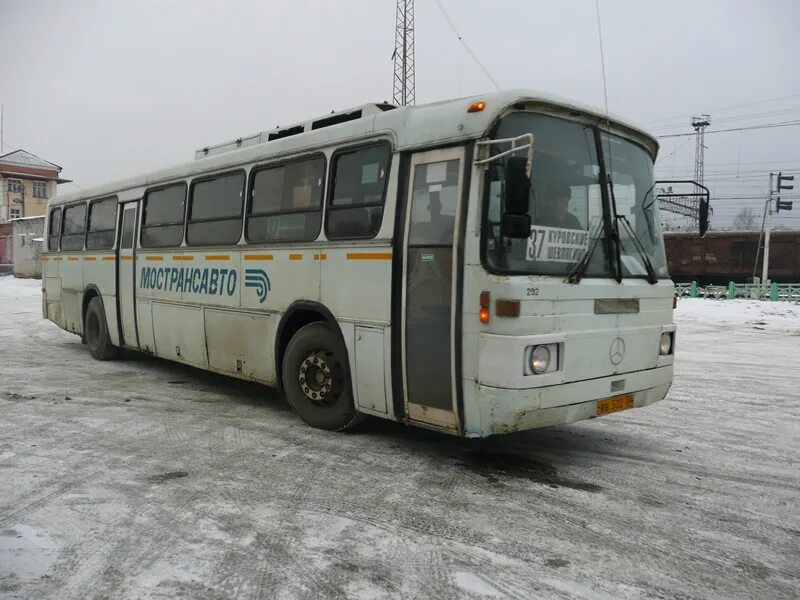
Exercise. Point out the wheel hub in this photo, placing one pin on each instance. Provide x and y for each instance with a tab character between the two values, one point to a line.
316	377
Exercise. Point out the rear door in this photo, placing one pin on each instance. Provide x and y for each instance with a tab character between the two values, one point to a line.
126	275
429	291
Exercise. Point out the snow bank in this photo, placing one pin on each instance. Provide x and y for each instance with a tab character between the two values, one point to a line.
775	316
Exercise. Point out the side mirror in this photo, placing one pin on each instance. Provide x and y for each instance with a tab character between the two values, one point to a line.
517	185
515	226
516	221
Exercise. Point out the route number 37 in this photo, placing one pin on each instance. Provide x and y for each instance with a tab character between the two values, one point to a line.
536	243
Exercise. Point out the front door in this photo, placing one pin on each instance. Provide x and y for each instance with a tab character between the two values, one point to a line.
126	275
429	327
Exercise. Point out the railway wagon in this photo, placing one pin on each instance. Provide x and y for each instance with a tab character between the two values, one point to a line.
723	256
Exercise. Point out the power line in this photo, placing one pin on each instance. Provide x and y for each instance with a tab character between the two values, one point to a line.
742	117
766	126
463	43
747	162
674	151
684	116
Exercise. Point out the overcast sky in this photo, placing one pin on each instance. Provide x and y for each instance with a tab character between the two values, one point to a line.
108	89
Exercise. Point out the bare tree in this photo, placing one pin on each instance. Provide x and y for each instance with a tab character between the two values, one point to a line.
745	220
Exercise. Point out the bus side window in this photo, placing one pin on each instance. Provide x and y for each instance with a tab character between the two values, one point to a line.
215	210
286	202
74	227
128	225
162	223
102	224
435	199
54	229
358	192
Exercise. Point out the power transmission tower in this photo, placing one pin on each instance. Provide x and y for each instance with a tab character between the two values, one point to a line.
404	53
699	124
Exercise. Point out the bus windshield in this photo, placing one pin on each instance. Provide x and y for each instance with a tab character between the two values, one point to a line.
566	203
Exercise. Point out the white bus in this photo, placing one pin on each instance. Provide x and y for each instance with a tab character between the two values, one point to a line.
477	266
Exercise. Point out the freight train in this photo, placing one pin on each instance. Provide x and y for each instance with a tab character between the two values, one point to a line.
723	256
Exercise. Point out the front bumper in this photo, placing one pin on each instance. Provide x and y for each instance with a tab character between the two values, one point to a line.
501	410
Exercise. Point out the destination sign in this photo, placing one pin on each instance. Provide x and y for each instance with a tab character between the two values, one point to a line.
555	244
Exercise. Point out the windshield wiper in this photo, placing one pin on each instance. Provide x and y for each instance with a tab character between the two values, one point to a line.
580	268
652	278
615	233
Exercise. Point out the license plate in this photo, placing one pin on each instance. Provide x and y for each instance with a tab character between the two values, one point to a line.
614	404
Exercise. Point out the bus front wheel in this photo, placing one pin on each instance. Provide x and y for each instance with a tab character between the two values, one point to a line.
95	331
316	378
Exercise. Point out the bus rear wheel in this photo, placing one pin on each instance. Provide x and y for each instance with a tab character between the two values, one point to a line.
316	378
95	331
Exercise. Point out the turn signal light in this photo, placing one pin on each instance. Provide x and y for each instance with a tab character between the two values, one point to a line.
477	106
483	314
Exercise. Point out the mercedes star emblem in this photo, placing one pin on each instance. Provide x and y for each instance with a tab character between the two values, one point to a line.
616	352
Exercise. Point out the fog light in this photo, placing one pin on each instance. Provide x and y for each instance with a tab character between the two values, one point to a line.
540	359
665	346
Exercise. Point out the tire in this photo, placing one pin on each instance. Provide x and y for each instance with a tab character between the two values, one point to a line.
316	378
95	331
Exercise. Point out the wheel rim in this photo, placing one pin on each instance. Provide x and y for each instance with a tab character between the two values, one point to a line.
320	377
92	329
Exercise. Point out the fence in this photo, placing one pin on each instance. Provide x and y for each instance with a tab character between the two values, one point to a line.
788	292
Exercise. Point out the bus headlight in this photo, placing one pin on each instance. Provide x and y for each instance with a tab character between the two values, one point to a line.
542	359
665	345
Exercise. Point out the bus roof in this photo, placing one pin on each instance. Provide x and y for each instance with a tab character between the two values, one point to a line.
409	127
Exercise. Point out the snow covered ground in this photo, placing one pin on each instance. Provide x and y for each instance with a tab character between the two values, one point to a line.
141	478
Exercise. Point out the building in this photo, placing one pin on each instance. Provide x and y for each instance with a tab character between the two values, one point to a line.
27	182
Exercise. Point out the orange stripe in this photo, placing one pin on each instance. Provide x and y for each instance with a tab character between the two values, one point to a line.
183	258
295	257
72	258
127	257
45	259
109	257
321	256
369	256
89	258
218	257
154	258
258	256
58	258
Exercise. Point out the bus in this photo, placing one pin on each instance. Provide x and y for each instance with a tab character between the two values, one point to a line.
477	266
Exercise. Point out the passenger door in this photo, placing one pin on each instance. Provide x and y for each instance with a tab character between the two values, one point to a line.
126	275
429	290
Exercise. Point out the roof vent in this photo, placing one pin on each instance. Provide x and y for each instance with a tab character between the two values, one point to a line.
263	137
282	133
335	119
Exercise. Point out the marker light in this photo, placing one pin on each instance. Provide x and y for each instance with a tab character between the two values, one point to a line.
483	314
477	106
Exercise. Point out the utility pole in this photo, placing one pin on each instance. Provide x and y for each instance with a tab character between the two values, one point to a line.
699	124
403	88
767	226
